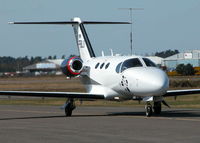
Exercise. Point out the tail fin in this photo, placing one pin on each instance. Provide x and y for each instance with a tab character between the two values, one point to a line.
84	46
85	49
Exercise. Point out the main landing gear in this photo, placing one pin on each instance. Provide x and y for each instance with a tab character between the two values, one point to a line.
69	107
156	108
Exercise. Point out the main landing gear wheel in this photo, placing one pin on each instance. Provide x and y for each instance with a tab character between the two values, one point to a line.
157	108
148	110
70	106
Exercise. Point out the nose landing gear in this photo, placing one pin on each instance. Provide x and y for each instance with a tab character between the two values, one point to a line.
148	108
156	108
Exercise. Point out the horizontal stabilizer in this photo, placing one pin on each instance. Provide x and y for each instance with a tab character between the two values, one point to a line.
53	22
104	22
70	22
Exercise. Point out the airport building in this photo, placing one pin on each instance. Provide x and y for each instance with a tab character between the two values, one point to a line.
157	60
53	66
189	57
48	67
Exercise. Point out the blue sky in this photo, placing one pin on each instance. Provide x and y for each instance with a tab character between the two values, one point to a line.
162	25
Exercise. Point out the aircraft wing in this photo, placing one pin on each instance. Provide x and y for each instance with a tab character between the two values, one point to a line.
181	92
52	94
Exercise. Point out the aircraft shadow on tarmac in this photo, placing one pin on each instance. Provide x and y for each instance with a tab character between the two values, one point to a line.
32	117
172	113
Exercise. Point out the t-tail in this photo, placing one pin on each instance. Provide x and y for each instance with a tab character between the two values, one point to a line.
83	43
84	46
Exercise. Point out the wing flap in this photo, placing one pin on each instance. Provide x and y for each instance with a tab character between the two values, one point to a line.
52	94
181	92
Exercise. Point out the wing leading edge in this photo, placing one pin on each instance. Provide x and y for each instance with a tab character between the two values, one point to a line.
181	92
86	95
53	94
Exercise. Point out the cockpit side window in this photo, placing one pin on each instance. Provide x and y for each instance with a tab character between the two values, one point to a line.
131	63
118	67
149	63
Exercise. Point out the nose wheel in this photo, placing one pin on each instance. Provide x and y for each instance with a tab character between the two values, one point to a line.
156	108
69	107
148	108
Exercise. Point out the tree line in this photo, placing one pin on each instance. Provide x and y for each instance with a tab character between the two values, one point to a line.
11	64
167	53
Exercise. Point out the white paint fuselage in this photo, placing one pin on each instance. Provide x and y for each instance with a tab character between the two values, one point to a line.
132	82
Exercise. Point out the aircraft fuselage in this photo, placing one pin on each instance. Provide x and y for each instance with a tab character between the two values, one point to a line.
116	79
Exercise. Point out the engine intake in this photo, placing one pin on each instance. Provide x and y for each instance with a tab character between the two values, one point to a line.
72	67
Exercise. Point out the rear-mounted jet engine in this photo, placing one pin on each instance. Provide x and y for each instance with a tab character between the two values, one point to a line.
72	67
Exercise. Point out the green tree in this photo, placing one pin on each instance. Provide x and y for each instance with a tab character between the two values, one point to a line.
72	55
54	57
189	70
185	69
10	64
180	69
63	57
49	57
38	59
167	53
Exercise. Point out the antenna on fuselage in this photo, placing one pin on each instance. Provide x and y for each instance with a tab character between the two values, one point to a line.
111	52
131	21
102	53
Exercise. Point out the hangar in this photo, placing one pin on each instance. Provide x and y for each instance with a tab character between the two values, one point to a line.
157	60
188	57
47	67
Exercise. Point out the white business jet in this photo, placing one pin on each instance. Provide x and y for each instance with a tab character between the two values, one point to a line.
109	77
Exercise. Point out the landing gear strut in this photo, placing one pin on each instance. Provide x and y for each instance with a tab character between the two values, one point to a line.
157	107
69	107
148	108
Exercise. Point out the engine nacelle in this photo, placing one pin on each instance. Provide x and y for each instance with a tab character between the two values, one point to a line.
72	67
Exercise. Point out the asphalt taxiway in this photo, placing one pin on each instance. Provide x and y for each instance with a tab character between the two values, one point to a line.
47	124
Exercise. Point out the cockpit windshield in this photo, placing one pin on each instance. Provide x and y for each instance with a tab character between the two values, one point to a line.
149	63
131	63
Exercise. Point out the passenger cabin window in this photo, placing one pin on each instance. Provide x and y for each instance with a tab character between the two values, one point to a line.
131	63
96	65
149	63
102	65
107	65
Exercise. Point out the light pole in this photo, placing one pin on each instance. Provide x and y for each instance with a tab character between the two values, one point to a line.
131	20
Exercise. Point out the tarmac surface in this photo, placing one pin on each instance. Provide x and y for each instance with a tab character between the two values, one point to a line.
47	124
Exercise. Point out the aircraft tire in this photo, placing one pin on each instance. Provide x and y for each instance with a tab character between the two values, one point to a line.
68	111
157	108
149	111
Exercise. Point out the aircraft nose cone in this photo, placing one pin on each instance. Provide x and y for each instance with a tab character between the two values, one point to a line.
155	81
158	80
148	81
